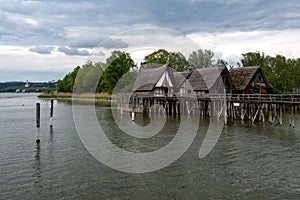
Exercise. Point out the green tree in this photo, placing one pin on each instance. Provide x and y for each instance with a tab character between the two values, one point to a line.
202	58
221	63
67	84
253	59
160	57
88	77
116	66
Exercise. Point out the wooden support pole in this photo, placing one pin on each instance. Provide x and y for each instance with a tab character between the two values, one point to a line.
38	118
262	116
270	113
51	114
292	117
170	102
178	108
242	111
280	114
188	107
225	113
253	118
174	107
276	112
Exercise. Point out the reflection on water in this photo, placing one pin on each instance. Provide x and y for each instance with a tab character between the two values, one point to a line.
248	161
38	160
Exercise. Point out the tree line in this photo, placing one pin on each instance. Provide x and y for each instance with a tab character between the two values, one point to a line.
283	73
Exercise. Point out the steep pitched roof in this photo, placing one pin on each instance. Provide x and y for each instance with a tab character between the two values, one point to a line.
147	78
204	78
180	77
241	76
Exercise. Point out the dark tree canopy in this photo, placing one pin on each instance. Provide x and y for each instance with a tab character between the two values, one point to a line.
116	66
253	59
160	57
67	84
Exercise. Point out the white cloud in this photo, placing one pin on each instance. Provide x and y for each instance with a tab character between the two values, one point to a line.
233	44
15	58
31	21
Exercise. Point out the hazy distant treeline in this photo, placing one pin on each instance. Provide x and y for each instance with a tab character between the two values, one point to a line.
34	87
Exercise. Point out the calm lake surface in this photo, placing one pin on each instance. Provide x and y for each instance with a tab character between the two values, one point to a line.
248	161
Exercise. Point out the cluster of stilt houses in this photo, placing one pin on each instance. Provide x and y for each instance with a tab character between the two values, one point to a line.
239	93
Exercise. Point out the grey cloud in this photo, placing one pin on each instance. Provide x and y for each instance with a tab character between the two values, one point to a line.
55	17
114	44
73	51
83	42
42	49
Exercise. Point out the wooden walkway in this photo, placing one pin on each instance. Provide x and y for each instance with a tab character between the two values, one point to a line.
254	107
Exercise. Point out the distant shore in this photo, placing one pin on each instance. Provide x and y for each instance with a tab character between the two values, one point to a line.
103	97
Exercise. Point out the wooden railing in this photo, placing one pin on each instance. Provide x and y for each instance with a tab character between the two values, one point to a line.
239	98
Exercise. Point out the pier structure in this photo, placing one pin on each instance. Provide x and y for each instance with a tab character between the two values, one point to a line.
239	93
253	107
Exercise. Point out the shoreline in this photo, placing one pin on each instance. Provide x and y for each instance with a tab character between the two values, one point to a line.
87	98
67	95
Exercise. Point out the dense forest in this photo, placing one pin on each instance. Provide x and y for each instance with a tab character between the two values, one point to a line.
283	73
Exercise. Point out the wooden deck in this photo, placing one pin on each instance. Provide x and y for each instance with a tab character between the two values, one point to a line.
254	107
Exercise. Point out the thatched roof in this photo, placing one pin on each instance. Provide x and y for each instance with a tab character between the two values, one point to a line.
180	77
242	76
147	78
204	78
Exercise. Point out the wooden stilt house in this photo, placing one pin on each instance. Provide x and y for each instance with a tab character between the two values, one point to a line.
182	87
206	80
155	81
250	80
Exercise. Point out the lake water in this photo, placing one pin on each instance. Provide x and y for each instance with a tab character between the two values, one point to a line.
248	161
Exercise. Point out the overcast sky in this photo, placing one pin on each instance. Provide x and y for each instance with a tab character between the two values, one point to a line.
44	40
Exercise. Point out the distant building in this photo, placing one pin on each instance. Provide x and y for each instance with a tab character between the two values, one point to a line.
155	81
27	84
250	80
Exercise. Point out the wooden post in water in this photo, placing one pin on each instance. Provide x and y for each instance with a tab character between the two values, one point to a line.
51	113
38	117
